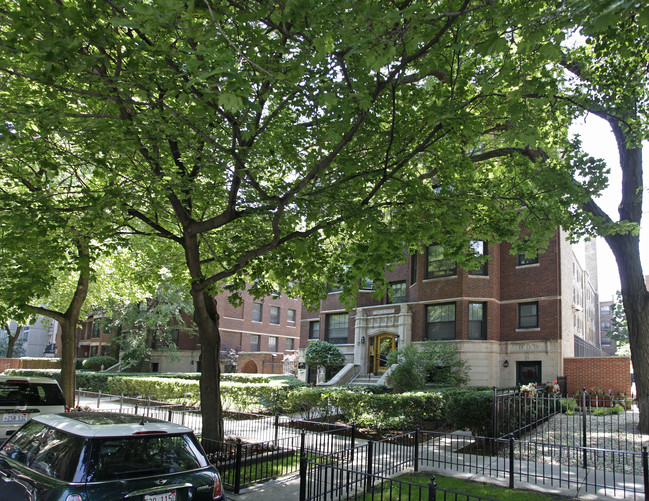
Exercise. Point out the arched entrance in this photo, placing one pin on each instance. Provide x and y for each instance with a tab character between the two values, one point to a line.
378	350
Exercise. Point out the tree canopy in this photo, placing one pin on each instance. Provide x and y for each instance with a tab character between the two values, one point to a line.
295	144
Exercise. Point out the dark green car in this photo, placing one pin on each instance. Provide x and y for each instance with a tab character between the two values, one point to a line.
101	456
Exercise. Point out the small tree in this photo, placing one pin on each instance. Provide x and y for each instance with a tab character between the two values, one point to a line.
433	363
619	329
324	354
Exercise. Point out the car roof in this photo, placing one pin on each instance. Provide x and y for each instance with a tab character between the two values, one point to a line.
28	379
109	424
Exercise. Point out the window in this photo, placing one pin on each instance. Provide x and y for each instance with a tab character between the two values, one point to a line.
290	315
440	321
413	268
522	260
605	310
398	292
528	315
256	311
254	342
479	248
272	343
367	284
290	344
337	328
605	325
314	330
93	351
477	320
436	265
274	314
96	328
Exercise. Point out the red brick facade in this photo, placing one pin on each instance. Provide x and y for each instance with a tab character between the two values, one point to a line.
604	373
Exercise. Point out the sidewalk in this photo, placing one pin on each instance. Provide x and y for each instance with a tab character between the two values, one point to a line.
285	488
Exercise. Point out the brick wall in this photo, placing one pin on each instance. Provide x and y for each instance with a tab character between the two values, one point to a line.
605	373
9	363
260	363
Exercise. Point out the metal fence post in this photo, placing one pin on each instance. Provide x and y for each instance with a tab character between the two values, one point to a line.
98	399
276	428
416	458
237	468
511	461
645	470
370	454
432	489
353	442
584	437
121	401
494	413
303	466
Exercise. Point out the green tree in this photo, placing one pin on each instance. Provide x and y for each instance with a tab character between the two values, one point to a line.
608	76
619	330
140	326
325	355
290	145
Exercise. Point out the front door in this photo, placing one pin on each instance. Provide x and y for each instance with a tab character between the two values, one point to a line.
380	347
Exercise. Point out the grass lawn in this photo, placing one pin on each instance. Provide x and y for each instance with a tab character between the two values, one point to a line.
451	484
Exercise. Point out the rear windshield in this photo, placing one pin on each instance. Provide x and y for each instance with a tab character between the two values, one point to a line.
24	393
46	450
138	456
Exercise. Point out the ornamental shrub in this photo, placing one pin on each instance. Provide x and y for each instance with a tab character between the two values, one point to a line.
470	409
98	363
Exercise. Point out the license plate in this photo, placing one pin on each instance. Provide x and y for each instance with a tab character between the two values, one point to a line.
161	496
14	418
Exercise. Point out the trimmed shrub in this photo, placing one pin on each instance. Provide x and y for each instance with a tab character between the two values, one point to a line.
470	409
98	363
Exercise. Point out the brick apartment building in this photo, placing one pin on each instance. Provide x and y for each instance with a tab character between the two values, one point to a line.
261	329
514	320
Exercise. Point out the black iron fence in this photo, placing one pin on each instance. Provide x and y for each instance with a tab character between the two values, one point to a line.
588	419
585	469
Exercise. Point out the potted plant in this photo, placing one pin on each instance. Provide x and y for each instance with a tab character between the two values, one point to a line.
552	387
528	390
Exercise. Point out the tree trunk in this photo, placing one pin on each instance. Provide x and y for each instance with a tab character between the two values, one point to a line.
68	322
207	321
68	357
11	340
626	249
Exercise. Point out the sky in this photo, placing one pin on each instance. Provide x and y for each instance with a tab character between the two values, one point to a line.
598	141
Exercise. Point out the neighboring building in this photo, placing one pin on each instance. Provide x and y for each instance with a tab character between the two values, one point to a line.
262	329
514	320
605	325
39	338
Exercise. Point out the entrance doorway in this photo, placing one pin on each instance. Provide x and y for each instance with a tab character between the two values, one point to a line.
379	348
528	372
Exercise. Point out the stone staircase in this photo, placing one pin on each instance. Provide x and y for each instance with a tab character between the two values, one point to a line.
364	380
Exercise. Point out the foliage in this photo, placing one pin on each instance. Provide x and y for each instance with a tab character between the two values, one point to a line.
98	363
619	329
471	410
435	363
139	327
267	141
324	354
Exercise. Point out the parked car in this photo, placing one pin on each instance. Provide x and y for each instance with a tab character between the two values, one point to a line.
22	398
101	456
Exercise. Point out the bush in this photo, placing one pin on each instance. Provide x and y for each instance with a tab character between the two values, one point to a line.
472	410
437	364
98	363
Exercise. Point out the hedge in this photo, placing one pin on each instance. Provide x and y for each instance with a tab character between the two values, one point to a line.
367	407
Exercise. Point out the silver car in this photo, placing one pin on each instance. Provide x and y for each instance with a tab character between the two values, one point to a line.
22	398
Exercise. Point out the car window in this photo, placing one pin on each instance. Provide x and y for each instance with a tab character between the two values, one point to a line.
23	393
129	457
46	450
